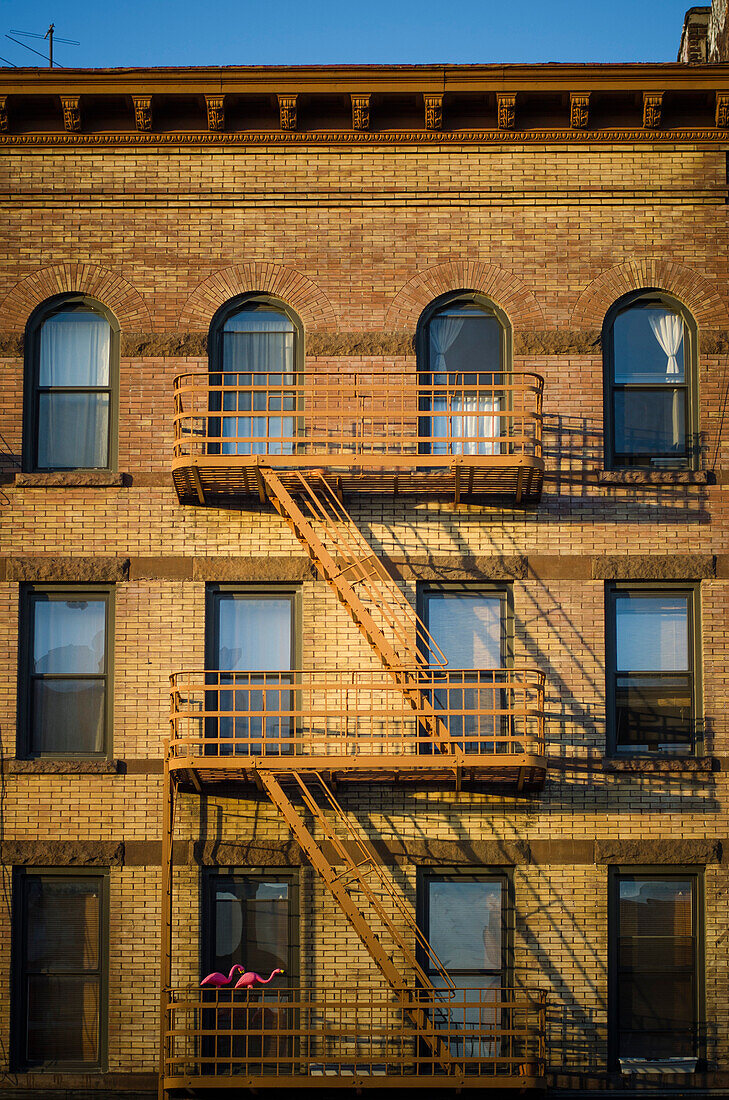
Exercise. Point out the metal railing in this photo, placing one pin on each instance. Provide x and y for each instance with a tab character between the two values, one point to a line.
357	414
490	1034
346	714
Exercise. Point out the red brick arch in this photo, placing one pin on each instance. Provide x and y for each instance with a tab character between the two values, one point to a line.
298	291
697	293
106	286
501	286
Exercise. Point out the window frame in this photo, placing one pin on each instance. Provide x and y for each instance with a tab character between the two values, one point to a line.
18	970
659	872
655	588
466	873
215	353
28	594
291	875
652	296
422	351
44	312
503	590
215	590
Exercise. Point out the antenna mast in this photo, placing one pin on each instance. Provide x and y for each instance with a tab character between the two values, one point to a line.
49	36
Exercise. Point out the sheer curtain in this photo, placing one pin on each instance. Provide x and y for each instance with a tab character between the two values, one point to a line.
258	351
458	428
73	426
667	328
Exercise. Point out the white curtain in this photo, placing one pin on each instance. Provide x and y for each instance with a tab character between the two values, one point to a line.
258	350
73	428
254	634
668	330
457	428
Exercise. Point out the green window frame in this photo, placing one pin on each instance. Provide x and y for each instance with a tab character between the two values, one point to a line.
75	982
215	879
273	403
643	966
635	697
31	682
619	393
234	694
445	405
36	393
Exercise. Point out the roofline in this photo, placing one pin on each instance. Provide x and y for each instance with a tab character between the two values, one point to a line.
556	77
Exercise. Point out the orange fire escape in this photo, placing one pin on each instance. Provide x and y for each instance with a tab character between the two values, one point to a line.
294	735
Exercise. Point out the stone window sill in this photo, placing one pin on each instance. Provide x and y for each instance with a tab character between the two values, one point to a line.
61	767
652	765
652	477
72	479
662	1066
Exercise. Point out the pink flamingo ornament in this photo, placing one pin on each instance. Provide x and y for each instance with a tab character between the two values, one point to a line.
216	979
249	979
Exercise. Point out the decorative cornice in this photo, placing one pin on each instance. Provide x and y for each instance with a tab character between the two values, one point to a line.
507	110
287	111
652	106
143	112
71	107
361	112
3	113
579	110
433	112
707	135
722	111
215	105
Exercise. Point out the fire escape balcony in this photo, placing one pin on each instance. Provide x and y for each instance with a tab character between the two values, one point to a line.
416	725
463	436
340	1036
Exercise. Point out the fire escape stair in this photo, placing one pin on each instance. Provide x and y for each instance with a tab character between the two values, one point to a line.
363	875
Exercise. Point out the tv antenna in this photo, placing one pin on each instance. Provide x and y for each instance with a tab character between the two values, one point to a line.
49	35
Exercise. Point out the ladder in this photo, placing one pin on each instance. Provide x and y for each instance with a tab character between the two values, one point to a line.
367	591
363	586
359	871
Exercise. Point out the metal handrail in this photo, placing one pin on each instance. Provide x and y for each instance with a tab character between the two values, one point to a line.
356	713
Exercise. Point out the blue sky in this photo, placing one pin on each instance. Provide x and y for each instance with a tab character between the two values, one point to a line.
298	32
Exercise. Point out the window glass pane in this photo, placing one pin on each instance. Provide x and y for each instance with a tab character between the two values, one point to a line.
650	422
648	346
62	1019
62	924
465	923
251	926
467	627
472	1015
464	340
69	636
652	633
654	713
74	350
655	907
73	430
258	320
68	716
254	632
656	995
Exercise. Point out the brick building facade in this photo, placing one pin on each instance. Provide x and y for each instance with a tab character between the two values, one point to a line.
564	854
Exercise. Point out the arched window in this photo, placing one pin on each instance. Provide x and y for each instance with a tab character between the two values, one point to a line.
464	347
649	341
71	373
255	367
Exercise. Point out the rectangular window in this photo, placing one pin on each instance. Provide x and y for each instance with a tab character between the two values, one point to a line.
465	920
655	979
62	931
65	670
252	651
252	919
470	625
651	668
